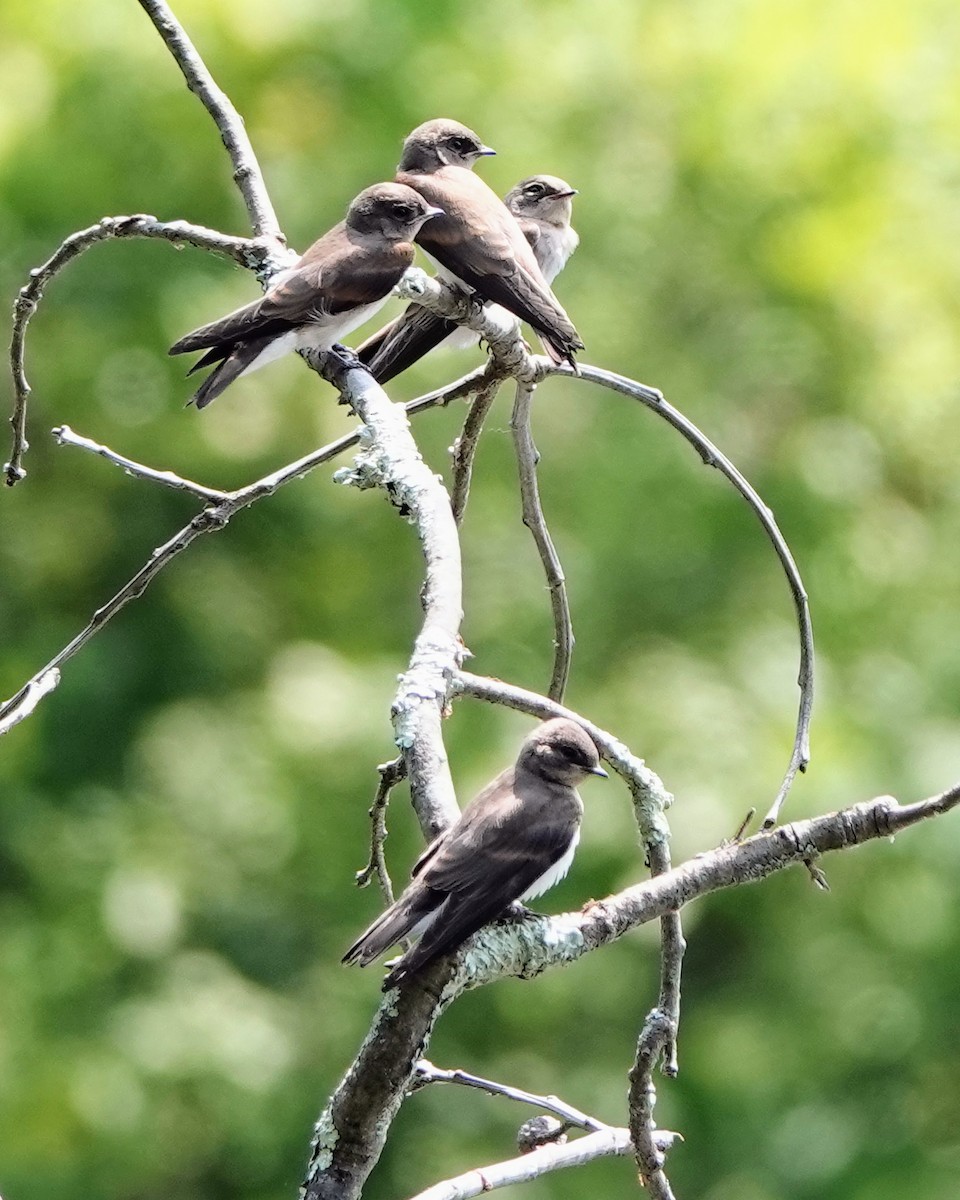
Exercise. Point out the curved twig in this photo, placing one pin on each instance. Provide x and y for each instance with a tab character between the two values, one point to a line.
245	251
246	169
465	447
425	1072
532	515
712	457
391	773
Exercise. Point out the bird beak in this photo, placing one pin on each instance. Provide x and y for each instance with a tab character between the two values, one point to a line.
434	212
599	771
569	192
485	152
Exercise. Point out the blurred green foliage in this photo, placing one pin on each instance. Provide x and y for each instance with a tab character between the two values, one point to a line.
771	233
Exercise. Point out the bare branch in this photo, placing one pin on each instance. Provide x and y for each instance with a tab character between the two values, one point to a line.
496	327
658	1032
27	699
532	514
531	1166
246	169
391	773
66	437
247	253
465	448
712	457
425	1072
352	1129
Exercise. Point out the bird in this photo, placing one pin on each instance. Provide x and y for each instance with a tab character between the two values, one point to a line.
477	245
542	206
513	841
340	282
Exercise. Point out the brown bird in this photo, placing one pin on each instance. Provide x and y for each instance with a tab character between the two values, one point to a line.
542	207
512	842
340	282
478	244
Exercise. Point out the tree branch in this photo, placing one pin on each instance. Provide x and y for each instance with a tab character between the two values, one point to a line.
246	169
390	460
66	437
465	447
391	774
543	942
425	1073
532	515
712	457
531	1166
248	253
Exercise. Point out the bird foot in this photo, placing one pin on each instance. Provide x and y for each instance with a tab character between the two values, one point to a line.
345	358
517	913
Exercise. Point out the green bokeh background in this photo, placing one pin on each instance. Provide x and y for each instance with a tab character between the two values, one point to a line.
770	223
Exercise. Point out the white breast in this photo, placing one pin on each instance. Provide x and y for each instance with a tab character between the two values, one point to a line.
555	873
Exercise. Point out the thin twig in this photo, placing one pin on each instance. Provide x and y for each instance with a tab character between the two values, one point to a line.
246	169
27	699
180	233
657	1033
66	437
531	1166
713	457
425	1072
465	448
532	515
391	773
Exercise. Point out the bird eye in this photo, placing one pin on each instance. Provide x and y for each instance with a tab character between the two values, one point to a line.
534	190
462	145
402	211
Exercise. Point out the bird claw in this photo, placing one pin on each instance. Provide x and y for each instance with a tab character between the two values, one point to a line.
517	913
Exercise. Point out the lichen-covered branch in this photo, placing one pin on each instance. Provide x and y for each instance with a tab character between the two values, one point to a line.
389	459
540	943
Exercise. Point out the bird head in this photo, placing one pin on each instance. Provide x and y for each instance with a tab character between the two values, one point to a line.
392	210
562	752
442	143
542	198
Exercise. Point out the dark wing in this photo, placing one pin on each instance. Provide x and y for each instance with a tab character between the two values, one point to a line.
483	869
506	838
479	241
393	925
337	273
403	342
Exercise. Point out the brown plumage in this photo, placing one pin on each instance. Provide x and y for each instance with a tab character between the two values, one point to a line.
512	842
541	206
340	282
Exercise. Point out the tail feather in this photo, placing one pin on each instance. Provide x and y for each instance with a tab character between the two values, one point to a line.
233	362
400	920
403	342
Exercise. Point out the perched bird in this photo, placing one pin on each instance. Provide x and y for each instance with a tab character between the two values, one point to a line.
542	206
341	281
512	842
